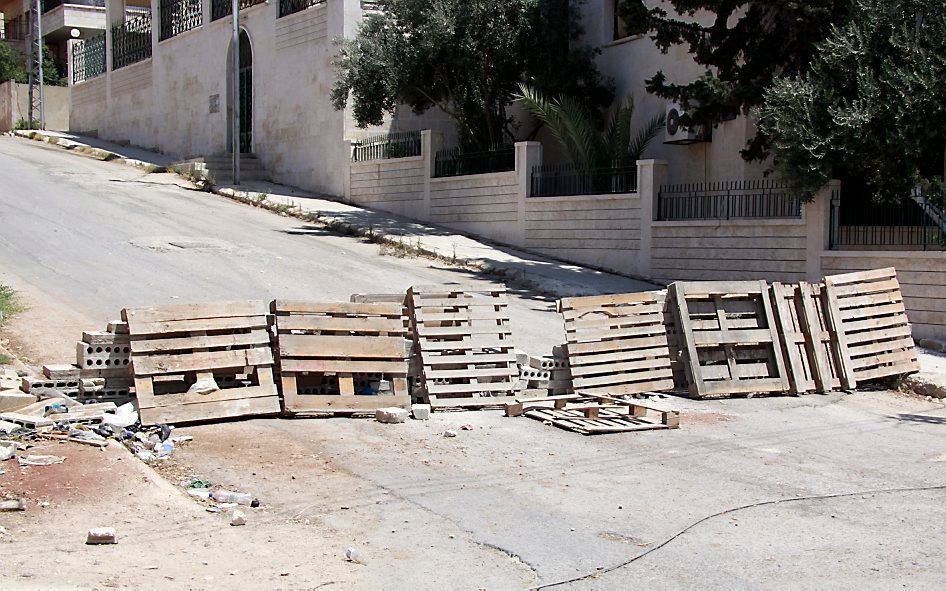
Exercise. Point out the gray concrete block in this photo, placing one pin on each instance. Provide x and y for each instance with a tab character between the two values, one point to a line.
421	412
391	415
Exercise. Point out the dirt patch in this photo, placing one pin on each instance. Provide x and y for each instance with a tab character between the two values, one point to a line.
85	475
694	417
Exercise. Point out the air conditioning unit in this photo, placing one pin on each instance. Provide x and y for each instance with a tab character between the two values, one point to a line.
676	133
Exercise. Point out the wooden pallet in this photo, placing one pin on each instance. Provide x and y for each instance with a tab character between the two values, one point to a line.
867	313
173	346
617	344
464	343
731	339
318	340
592	415
811	347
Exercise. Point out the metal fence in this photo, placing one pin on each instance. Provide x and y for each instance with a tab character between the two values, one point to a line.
724	200
88	58
456	162
178	16
287	7
222	8
552	180
131	41
913	223
391	145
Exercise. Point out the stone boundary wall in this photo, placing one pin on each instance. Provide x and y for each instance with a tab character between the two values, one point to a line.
14	105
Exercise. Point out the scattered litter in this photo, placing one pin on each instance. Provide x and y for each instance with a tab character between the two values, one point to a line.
238	518
196	483
125	416
226	496
7	451
101	535
164	449
356	556
391	415
40	460
449	433
13	505
200	493
204	386
466	427
182	439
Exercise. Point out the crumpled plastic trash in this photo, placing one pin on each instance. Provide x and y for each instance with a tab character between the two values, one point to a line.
145	455
124	416
204	386
39	460
164	449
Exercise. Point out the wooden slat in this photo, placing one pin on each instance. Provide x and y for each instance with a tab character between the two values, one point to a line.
328	346
337	324
343	366
139	329
203	311
255	337
309	307
208	360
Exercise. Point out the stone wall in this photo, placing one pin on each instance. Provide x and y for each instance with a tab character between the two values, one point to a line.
14	105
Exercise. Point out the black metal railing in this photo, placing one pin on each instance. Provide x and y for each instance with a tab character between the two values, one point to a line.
913	223
88	58
131	41
457	162
391	145
222	8
178	16
724	200
553	180
287	7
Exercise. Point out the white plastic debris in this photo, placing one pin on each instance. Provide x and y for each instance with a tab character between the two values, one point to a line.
204	386
355	555
40	460
7	450
124	416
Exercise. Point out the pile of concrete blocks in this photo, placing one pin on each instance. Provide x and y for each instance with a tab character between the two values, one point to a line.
104	362
539	376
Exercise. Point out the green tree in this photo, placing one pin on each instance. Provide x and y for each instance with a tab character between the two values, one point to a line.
466	58
873	107
744	47
13	67
574	128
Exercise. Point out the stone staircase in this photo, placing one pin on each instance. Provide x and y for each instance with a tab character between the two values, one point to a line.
220	168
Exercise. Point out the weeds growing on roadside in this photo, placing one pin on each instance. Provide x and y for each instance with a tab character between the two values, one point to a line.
9	305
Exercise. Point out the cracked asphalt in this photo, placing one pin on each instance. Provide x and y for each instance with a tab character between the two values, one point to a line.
509	503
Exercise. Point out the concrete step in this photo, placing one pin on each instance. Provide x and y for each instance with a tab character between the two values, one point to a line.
220	167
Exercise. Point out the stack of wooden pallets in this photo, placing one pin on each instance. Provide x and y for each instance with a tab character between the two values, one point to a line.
174	347
334	356
464	344
591	414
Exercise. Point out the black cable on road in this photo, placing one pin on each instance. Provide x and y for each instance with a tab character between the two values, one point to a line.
726	512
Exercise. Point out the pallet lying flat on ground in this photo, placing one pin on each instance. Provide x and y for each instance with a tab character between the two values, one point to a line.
596	414
617	344
324	347
812	349
867	313
174	346
730	338
465	345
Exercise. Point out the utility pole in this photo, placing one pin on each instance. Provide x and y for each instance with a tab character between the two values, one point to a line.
235	90
35	64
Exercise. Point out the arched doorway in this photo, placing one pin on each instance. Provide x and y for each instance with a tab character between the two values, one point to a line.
244	104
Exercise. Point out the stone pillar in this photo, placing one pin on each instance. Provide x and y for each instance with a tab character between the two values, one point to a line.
346	179
430	143
651	174
70	76
114	15
817	216
528	156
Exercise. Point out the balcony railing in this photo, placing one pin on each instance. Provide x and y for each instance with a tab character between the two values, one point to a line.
916	222
222	8
725	200
457	162
88	58
48	5
287	7
391	145
178	16
131	41
551	180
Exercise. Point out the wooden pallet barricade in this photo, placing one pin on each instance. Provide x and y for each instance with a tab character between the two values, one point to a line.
731	339
329	353
867	313
592	414
617	344
465	345
174	346
812	350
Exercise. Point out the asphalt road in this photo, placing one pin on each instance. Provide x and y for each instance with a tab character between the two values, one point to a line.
852	473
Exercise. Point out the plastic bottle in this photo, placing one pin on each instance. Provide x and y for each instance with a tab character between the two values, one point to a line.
226	496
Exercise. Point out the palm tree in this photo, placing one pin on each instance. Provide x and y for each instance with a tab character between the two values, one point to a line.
587	147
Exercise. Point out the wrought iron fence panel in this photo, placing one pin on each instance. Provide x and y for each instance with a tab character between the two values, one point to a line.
178	16
724	200
222	8
131	41
456	162
917	222
391	145
88	58
287	7
553	180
